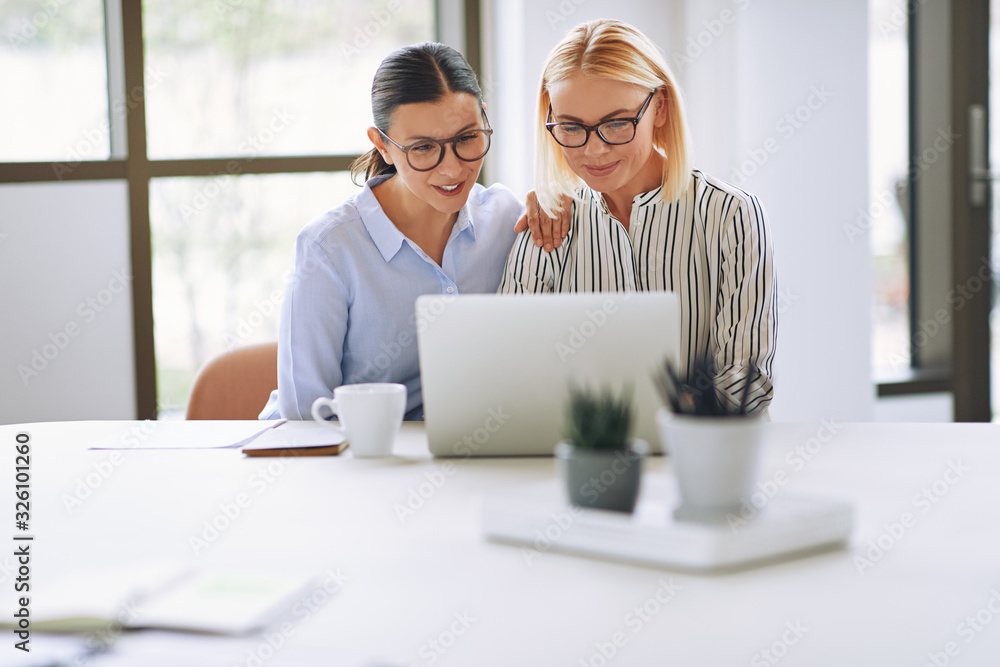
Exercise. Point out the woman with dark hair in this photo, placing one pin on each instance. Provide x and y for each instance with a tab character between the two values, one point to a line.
421	225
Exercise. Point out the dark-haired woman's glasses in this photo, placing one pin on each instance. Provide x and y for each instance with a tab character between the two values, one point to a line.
615	131
426	154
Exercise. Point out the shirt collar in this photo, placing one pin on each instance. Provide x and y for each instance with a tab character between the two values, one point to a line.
387	237
648	198
640	201
463	222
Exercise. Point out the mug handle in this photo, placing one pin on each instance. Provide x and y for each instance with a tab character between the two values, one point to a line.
319	403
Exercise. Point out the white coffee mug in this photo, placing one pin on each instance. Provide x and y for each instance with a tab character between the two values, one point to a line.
370	415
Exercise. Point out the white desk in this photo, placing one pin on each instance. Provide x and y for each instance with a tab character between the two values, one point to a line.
409	581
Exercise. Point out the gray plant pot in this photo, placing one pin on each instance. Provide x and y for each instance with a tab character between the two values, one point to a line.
598	479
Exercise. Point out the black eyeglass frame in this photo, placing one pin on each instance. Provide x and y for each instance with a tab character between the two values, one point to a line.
550	126
488	131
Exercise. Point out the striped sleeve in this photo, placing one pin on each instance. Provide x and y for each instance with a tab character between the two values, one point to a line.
746	317
529	269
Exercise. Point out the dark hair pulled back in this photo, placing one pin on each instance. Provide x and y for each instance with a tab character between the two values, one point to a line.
417	73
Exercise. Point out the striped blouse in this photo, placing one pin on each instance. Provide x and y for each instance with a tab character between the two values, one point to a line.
711	246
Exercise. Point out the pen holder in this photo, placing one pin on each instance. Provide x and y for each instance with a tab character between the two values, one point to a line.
716	461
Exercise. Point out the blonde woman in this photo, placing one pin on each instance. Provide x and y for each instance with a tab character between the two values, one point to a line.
612	135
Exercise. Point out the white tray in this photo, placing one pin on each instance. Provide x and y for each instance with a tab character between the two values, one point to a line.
539	518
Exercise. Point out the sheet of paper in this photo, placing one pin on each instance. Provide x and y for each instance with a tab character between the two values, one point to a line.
298	434
170	434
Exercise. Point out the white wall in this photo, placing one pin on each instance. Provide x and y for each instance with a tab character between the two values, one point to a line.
752	62
66	329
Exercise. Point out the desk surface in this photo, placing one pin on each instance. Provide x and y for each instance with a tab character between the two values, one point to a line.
920	578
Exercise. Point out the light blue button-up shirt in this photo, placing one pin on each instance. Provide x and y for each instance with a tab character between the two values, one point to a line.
348	313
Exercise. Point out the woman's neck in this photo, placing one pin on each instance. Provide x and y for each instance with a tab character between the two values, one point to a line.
417	220
650	177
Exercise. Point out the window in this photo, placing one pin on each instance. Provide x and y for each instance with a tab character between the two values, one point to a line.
268	77
222	249
53	67
238	128
256	79
886	220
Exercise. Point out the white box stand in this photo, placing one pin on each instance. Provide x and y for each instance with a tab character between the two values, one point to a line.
538	516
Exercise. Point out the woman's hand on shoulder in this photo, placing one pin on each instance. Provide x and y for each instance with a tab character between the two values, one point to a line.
544	229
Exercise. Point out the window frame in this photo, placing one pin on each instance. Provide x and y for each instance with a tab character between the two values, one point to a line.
949	53
129	161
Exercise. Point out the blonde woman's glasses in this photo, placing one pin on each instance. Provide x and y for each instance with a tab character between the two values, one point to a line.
614	131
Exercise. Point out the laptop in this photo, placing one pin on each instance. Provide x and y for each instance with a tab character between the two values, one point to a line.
496	369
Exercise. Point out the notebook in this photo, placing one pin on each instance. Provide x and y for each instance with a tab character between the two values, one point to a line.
495	369
297	438
167	595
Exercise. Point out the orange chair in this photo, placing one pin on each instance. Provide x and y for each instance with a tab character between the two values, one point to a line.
235	384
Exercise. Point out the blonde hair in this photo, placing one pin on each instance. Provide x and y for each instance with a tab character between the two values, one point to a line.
609	49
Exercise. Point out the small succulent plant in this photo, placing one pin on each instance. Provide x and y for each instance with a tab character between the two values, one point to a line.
598	420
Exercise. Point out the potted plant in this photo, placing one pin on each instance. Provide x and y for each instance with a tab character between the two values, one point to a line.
602	466
716	448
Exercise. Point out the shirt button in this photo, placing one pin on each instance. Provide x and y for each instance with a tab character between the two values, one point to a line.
450	289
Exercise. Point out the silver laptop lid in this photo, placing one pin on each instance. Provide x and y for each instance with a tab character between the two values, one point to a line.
495	370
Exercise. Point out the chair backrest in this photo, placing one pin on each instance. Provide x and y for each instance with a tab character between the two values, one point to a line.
235	384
